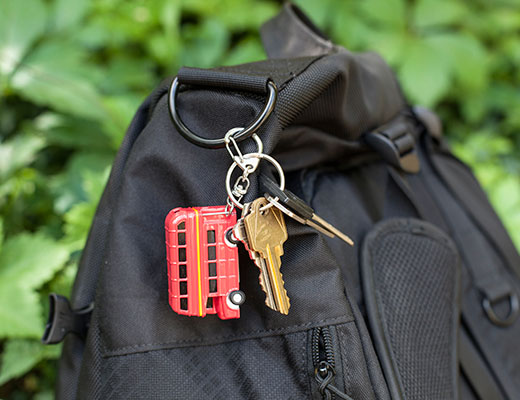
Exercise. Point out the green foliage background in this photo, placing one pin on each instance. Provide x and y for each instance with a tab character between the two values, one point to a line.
72	74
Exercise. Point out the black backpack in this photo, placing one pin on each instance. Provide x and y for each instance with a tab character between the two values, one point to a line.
424	306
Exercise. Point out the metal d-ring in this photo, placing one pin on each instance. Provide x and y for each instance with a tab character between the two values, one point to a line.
514	309
219	143
248	156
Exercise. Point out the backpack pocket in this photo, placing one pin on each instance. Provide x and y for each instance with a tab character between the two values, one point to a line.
264	354
410	273
309	364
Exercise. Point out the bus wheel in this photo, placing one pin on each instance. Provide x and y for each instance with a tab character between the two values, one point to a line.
237	297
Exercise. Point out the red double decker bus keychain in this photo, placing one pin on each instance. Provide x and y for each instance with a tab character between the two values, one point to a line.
202	254
202	258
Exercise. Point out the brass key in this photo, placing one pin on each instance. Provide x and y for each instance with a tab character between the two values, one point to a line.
240	233
266	233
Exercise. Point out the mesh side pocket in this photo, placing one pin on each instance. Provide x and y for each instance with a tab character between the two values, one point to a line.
410	272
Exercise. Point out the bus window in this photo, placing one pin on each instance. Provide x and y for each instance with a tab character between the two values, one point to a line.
183	287
212	269
181	238
182	254
212	252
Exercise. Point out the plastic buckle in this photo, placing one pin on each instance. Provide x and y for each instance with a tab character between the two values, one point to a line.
396	144
62	320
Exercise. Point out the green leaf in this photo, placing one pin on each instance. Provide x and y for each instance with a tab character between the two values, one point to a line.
1	233
71	132
206	43
245	51
121	110
46	395
237	15
77	224
466	56
429	13
70	187
79	218
18	152
321	11
424	73
26	263
67	14
21	23
390	45
55	75
19	356
388	13
63	281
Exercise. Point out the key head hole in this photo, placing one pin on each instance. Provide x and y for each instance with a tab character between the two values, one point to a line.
264	212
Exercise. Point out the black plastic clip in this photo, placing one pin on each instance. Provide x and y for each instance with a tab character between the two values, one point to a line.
63	320
396	144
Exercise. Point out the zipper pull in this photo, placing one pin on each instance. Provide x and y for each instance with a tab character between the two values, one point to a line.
325	374
323	358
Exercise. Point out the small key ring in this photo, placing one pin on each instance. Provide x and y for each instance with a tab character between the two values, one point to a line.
260	156
269	204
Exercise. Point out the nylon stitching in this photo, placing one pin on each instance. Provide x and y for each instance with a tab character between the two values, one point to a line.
242	336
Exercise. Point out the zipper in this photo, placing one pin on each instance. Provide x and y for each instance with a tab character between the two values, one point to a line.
324	363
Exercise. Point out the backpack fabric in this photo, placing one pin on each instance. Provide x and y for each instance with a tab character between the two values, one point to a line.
424	306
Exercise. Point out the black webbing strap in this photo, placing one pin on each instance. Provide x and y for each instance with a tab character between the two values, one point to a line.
481	211
453	218
223	79
472	365
425	207
475	370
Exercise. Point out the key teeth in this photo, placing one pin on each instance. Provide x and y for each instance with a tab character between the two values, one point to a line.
284	291
267	299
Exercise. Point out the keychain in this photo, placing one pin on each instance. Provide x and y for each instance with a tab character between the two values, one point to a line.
202	254
201	242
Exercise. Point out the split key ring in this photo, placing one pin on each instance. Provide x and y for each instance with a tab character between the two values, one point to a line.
260	156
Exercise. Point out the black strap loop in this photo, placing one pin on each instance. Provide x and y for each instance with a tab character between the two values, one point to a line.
223	79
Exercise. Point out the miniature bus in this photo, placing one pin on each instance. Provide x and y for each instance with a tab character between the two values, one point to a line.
202	257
